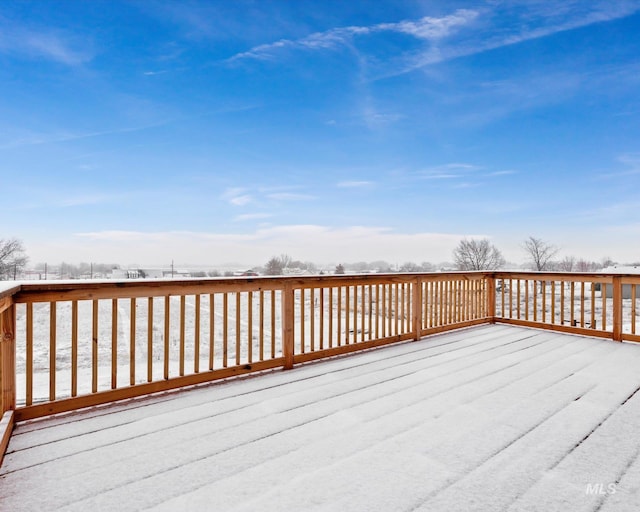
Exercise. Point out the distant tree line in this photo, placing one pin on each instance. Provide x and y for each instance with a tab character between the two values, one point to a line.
482	255
469	254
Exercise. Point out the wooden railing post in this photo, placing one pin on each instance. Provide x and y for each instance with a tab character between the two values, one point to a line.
617	306
491	298
8	358
288	322
416	303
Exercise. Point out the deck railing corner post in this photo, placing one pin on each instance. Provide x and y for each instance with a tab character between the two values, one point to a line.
8	359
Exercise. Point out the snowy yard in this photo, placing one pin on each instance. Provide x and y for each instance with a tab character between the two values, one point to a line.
487	418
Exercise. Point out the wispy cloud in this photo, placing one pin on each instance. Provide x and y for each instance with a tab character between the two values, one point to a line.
537	23
460	175
354	184
237	196
252	216
447	171
288	196
426	28
464	32
44	44
502	173
631	163
35	139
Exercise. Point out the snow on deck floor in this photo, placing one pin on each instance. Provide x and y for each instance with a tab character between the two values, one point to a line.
488	418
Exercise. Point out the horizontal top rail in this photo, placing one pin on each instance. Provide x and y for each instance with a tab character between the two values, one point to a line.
49	291
564	276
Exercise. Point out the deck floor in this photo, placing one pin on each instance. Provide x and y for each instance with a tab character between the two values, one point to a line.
488	418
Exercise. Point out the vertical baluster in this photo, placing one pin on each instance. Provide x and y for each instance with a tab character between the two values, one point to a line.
561	283
347	313
634	290
339	315
543	292
225	328
582	307
302	322
167	333
132	341
553	302
593	305
212	330
261	335
312	317
29	340
149	339
94	347
321	329
250	326
273	324
52	349
383	307
74	348
196	335
355	314
573	306
390	312
330	311
238	345
114	343
603	296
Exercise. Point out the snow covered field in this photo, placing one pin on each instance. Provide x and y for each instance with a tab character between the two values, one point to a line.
490	418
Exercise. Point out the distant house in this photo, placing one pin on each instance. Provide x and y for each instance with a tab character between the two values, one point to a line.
123	273
626	288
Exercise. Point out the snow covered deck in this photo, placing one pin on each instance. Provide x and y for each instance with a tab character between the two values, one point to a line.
493	417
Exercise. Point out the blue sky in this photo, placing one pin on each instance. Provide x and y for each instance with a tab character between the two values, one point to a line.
214	132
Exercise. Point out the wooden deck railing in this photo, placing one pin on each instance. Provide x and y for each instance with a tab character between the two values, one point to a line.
603	305
71	345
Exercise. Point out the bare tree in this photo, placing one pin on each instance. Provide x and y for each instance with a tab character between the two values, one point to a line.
12	258
285	260
410	266
540	252
339	269
477	255
274	267
567	264
583	265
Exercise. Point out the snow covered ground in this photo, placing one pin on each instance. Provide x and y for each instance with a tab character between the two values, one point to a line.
491	418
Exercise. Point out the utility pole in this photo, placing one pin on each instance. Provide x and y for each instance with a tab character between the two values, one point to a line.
171	269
